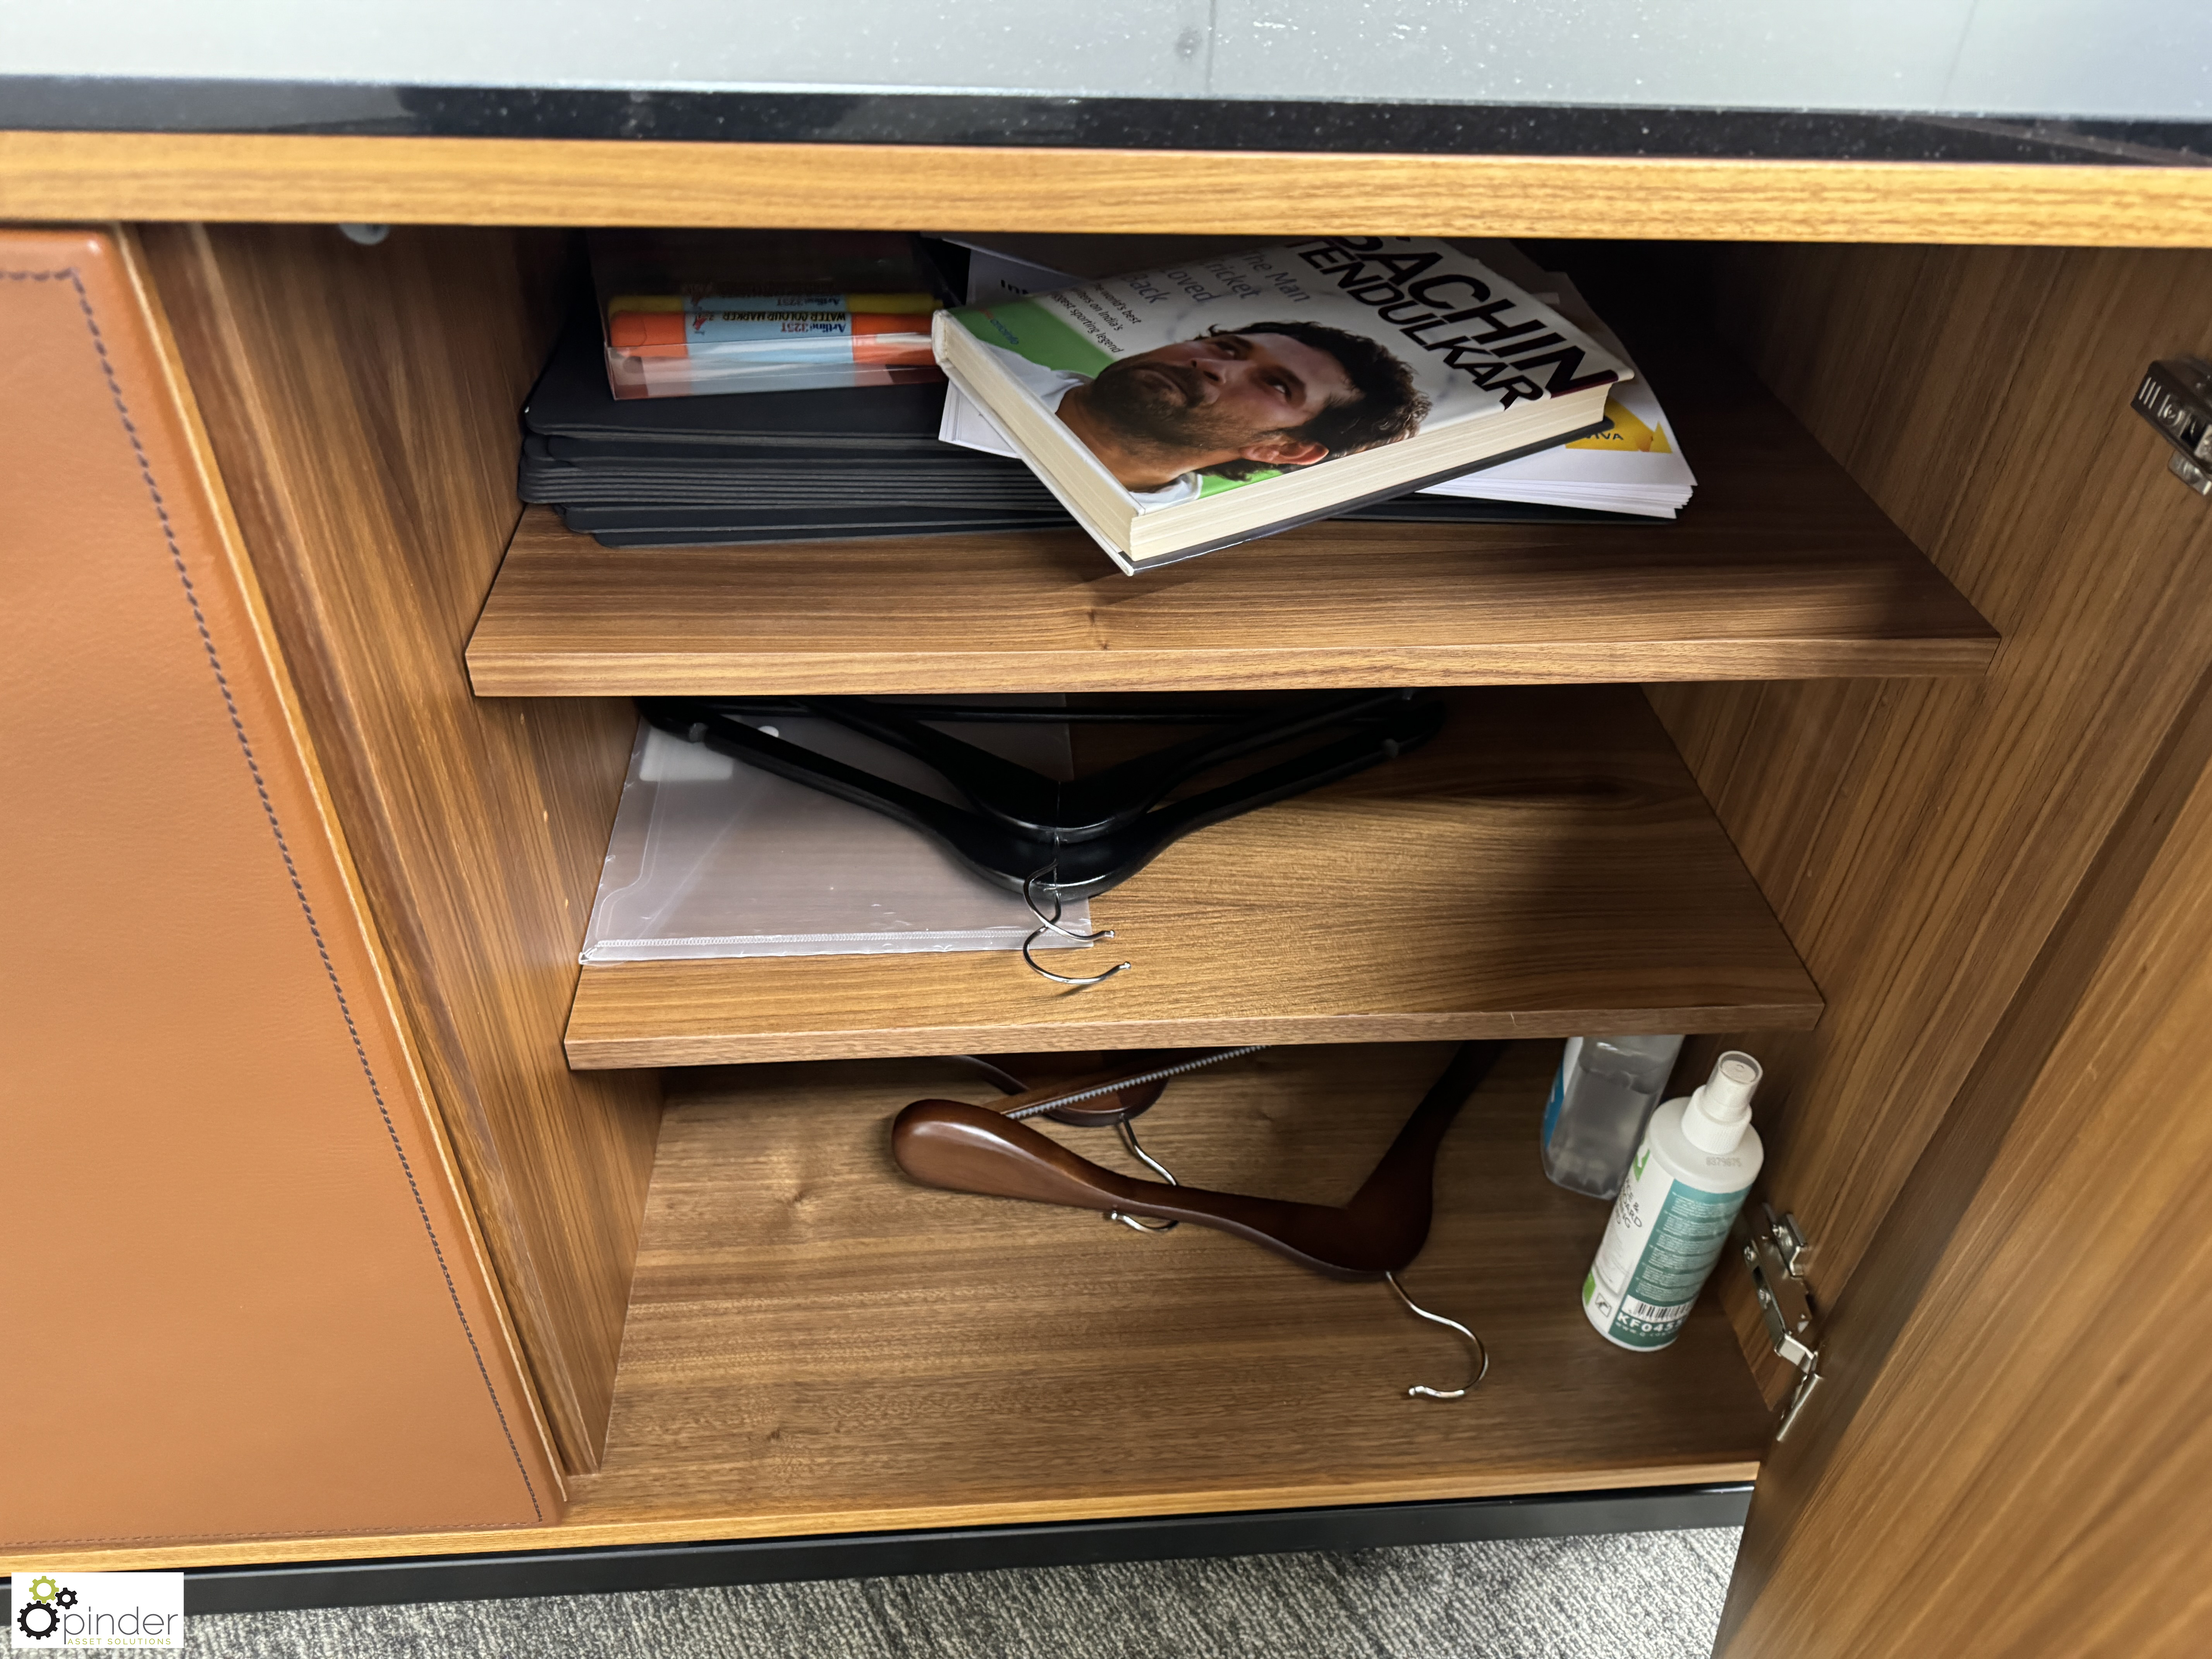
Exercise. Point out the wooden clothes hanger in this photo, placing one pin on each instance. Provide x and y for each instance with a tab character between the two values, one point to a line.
980	1149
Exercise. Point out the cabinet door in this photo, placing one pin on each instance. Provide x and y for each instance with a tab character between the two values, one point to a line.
2011	1454
248	1302
2000	1139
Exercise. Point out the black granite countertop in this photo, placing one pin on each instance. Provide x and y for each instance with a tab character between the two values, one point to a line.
68	104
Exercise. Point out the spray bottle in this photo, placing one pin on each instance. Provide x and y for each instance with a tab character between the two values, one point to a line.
1691	1174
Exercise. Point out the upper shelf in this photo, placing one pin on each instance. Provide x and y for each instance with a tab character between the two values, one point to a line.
1782	568
1546	865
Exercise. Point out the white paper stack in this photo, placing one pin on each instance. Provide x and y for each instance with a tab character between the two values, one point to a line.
1637	467
712	858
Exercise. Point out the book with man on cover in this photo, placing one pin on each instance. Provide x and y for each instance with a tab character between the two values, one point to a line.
1179	411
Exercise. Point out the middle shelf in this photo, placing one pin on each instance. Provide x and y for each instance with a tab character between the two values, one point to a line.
1547	865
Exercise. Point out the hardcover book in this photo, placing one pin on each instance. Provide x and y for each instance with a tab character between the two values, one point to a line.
1182	409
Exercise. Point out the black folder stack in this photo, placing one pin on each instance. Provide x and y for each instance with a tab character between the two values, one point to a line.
781	466
760	467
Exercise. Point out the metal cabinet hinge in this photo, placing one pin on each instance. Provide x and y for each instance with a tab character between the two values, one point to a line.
2176	397
1775	1249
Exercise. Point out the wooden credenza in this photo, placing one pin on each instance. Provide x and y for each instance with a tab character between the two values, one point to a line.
1886	761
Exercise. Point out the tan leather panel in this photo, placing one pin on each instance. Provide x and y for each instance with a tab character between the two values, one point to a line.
246	1298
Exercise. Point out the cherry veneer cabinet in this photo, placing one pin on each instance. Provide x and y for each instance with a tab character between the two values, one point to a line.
350	1221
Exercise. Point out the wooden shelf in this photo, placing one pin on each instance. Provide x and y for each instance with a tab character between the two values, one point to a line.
1781	569
1546	865
816	1344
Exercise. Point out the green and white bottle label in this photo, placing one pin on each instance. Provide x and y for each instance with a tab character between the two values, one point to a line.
1659	1248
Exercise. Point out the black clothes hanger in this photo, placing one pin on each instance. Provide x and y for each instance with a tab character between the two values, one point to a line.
1124	830
1083	809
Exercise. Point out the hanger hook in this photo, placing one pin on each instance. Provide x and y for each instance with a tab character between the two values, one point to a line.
1482	1354
1052	922
1139	1222
1051	925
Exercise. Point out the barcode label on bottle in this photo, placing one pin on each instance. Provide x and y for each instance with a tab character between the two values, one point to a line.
1645	1320
1663	1240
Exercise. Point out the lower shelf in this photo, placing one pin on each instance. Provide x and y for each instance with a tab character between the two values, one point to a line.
818	1349
816	1345
1546	865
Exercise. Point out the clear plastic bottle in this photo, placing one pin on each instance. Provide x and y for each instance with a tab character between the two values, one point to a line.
1600	1100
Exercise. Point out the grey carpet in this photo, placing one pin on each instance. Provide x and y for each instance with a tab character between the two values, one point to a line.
1633	1595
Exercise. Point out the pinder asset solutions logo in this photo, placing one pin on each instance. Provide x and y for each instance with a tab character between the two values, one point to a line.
97	1610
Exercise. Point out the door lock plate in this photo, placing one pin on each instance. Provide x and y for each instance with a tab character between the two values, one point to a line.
1774	1247
2176	397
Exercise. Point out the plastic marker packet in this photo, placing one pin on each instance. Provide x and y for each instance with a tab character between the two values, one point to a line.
821	364
782	336
681	325
908	304
683	346
825	275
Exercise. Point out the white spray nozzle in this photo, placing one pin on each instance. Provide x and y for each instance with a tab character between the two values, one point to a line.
1720	1110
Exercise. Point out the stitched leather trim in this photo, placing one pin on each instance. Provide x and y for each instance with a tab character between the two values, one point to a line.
70	275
